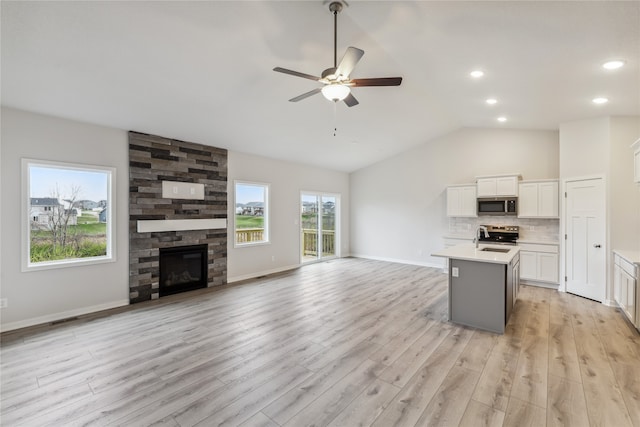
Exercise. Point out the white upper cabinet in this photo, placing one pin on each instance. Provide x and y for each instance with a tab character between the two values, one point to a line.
497	186
636	161
538	199
461	200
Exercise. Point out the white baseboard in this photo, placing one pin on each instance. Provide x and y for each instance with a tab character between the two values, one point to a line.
261	273
547	285
399	261
62	315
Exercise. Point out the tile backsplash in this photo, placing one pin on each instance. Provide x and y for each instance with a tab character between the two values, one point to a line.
530	228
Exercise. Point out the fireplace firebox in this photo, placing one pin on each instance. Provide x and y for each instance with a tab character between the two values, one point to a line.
183	269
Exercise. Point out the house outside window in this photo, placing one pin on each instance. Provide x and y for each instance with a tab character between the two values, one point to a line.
251	219
66	214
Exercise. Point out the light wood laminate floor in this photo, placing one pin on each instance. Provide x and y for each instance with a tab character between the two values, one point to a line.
350	342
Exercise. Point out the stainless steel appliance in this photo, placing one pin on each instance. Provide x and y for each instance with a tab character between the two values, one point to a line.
498	206
501	234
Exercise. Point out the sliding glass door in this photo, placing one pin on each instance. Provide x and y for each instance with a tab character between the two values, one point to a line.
319	226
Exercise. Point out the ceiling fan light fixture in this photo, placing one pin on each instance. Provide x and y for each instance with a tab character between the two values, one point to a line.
614	64
335	92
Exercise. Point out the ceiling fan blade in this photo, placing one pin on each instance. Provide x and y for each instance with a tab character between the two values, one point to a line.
305	95
349	61
382	81
296	73
350	100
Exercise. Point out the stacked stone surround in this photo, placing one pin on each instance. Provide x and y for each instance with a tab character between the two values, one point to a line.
153	159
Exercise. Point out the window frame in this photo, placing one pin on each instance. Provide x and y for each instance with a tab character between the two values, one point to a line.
266	215
26	264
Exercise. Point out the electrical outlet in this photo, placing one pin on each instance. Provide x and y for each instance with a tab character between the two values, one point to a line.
455	272
273	258
4	302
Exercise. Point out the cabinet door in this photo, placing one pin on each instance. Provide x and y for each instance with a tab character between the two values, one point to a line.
468	201
636	166
507	186
617	282
548	199
629	285
461	201
548	267
528	265
516	282
453	201
486	187
528	200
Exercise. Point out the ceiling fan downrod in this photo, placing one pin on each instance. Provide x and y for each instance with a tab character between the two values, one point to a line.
335	7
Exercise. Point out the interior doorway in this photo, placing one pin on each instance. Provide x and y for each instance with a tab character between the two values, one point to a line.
319	226
586	238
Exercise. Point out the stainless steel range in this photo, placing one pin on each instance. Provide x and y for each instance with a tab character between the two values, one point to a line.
501	234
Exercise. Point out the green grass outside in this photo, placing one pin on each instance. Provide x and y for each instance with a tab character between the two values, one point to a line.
93	229
87	219
249	221
41	252
93	243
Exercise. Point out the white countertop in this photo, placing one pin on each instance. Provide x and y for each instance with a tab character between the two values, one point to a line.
631	256
538	242
469	252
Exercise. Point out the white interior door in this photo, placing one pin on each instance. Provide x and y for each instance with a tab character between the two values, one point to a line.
585	240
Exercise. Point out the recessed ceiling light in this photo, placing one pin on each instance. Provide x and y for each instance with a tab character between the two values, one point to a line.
599	100
476	74
502	119
612	65
491	101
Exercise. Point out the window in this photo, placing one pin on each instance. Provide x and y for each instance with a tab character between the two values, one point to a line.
252	213
68	214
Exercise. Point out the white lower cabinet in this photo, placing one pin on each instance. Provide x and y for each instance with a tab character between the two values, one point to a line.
539	262
625	279
636	161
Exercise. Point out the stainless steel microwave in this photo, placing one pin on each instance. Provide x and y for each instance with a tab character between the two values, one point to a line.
498	206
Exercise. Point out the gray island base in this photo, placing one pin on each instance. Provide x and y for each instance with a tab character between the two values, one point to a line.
482	287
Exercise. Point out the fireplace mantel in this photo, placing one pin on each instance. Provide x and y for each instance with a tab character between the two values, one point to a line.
159	225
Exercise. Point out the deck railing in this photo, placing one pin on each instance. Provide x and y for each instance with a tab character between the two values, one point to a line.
248	235
309	240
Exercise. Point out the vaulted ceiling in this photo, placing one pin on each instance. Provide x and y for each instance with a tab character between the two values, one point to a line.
202	71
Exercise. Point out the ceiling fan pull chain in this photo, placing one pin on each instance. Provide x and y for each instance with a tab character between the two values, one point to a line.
335	118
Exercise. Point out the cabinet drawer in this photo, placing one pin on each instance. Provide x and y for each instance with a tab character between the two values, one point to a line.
629	268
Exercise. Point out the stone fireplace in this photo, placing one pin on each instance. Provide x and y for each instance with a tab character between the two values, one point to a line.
177	200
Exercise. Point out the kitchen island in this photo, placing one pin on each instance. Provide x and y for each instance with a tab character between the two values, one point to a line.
483	284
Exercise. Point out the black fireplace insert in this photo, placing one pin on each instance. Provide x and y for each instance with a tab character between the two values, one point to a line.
183	269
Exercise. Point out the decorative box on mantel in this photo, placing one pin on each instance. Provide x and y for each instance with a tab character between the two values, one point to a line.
177	198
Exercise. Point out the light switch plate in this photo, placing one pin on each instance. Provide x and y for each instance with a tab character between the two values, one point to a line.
455	272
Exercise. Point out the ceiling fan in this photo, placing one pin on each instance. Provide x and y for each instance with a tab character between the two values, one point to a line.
336	80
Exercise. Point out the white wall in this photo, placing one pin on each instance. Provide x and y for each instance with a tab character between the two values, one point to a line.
41	296
624	194
584	148
398	206
601	146
286	181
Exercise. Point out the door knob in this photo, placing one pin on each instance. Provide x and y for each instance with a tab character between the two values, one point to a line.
596	245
